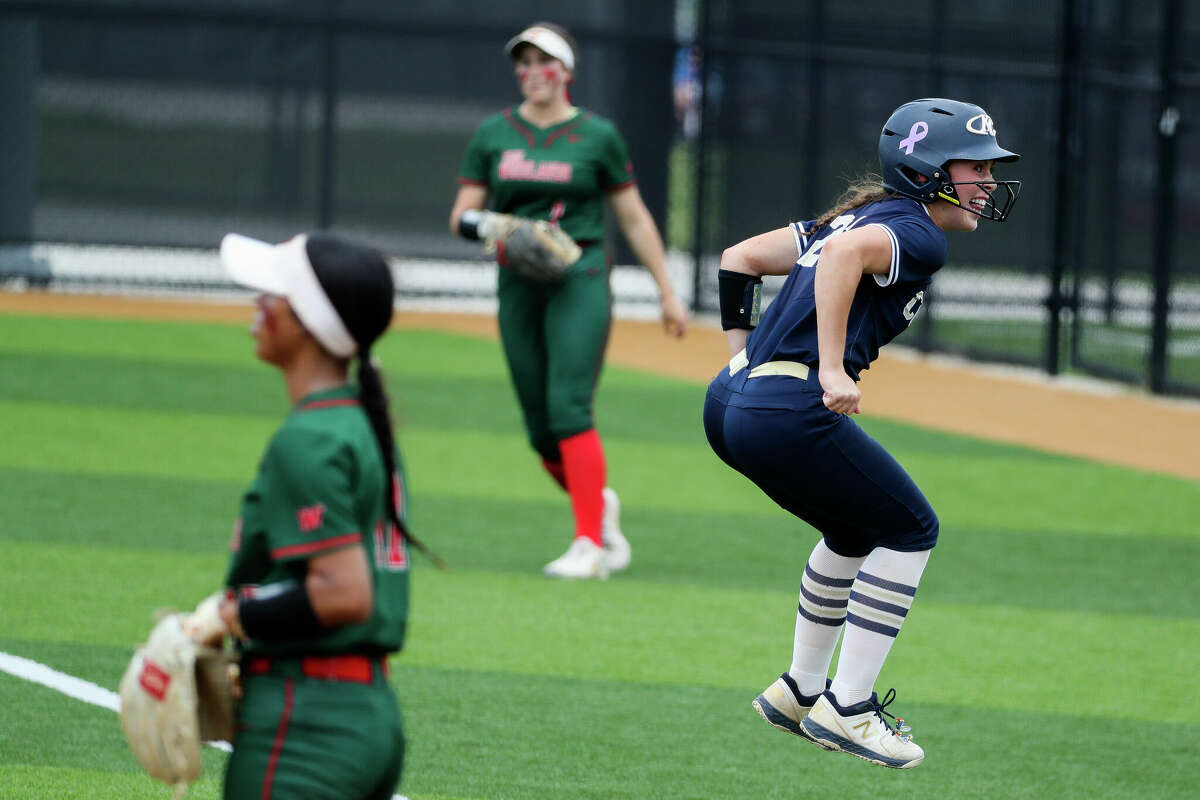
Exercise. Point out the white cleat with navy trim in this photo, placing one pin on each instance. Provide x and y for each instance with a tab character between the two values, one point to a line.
781	704
583	559
862	731
617	553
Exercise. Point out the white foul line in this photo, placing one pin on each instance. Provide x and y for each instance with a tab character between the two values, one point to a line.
80	689
71	686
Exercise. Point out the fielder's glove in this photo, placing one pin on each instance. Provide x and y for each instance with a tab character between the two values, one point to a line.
534	248
174	695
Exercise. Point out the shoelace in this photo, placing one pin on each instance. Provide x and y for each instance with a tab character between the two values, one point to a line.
900	730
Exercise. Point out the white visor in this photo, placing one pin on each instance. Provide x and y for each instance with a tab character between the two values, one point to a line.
284	270
545	40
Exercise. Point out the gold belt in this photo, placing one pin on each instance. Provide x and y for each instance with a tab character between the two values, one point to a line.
792	368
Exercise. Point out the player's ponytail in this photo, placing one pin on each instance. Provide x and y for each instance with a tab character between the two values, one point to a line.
358	283
373	397
863	190
374	401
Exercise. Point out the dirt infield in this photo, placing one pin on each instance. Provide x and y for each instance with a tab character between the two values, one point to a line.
1108	424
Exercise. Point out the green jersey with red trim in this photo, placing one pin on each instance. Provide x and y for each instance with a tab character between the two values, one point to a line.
559	174
319	488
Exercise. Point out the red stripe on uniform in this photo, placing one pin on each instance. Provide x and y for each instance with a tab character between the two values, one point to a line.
521	129
560	133
345	401
312	547
285	718
470	182
619	186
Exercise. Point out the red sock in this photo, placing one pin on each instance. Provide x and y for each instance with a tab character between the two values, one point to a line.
555	468
583	463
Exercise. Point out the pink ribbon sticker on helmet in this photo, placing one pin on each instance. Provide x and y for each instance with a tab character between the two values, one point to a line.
916	133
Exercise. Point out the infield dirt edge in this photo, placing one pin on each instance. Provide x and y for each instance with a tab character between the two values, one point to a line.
1117	426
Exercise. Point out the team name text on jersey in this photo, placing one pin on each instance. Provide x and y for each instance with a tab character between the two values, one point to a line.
514	166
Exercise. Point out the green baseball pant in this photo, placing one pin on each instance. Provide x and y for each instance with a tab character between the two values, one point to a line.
302	738
554	337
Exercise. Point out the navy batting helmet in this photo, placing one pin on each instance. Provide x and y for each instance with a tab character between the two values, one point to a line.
920	137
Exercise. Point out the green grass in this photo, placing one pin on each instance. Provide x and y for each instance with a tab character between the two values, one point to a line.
1051	651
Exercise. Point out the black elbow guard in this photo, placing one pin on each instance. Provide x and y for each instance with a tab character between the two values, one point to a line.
741	299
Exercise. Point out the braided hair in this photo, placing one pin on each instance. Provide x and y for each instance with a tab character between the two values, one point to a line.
358	282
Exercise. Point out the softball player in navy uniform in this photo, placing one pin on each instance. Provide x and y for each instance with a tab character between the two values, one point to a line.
779	412
546	159
318	579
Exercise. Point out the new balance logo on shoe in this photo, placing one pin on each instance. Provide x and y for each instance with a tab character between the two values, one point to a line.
860	730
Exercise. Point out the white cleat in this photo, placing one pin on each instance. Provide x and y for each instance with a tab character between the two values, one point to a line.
860	730
583	559
782	705
617	553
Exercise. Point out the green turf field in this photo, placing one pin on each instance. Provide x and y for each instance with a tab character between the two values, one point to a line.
1051	652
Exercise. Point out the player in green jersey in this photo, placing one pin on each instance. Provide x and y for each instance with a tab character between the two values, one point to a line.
547	159
317	586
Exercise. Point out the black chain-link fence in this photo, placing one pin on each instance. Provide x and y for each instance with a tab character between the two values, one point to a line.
165	124
1098	269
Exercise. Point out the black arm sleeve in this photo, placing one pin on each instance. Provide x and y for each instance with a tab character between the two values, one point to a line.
281	616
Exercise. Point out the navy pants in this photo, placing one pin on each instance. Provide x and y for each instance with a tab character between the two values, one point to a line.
816	464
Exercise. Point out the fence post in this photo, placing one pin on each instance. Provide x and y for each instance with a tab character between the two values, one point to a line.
1082	148
329	64
814	33
1164	220
18	148
699	172
1065	164
18	77
937	83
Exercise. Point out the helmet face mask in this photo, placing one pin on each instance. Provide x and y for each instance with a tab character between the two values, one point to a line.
992	209
922	137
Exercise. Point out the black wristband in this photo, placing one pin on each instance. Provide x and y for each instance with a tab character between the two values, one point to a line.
740	297
279	616
468	224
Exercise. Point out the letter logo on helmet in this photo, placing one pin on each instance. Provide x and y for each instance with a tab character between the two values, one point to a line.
921	137
981	124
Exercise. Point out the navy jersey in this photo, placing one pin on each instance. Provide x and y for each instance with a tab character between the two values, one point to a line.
883	305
